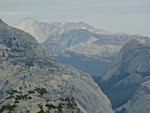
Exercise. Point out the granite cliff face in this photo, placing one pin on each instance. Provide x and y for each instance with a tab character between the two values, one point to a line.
126	83
24	66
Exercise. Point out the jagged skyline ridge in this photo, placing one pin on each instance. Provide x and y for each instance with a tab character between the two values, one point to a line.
130	16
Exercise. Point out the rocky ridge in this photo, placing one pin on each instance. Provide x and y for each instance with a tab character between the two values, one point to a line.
28	67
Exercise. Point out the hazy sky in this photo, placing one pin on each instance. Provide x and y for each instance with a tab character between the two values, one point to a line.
127	16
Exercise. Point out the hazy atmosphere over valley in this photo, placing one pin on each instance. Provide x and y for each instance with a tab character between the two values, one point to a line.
83	56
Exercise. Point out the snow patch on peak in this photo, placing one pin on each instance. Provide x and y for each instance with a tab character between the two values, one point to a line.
83	27
63	23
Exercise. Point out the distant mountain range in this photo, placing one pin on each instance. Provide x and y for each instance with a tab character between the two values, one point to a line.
32	82
75	43
123	76
42	30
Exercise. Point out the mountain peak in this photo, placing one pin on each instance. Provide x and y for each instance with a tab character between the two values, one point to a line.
82	22
28	18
